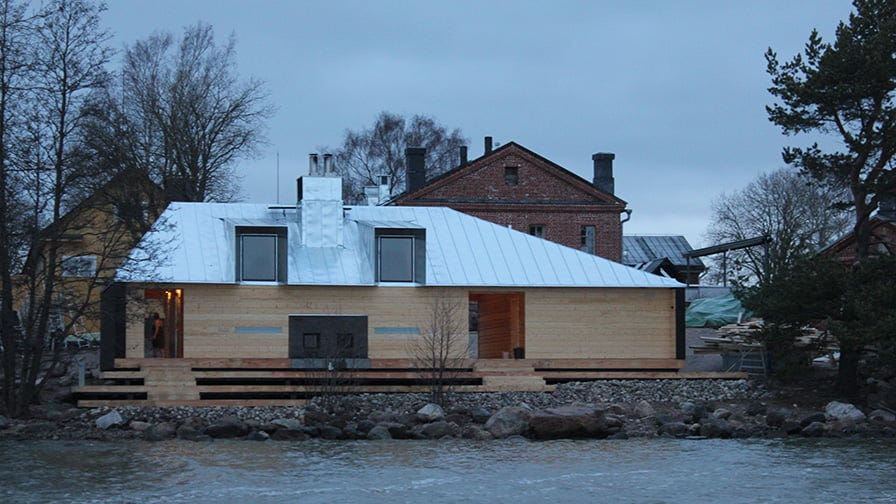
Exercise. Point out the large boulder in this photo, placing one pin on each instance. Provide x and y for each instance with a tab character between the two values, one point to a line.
330	432
160	432
480	414
844	411
715	428
644	409
569	422
477	433
286	423
508	421
674	429
110	419
258	435
882	417
430	413
227	427
396	430
289	435
435	430
776	418
814	429
812	418
379	432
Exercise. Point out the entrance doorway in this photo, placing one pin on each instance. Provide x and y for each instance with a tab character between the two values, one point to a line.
169	304
501	325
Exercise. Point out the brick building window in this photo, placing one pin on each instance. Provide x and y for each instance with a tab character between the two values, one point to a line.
511	175
536	230
588	239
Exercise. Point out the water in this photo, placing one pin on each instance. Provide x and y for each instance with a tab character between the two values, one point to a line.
650	470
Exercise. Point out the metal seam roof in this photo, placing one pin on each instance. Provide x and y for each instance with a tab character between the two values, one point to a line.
461	250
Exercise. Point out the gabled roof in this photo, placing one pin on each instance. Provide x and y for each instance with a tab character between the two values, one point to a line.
848	238
599	196
638	250
195	242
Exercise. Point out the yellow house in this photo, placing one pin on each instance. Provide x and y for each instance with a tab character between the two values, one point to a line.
92	240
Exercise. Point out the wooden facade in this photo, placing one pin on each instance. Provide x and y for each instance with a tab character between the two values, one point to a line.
252	322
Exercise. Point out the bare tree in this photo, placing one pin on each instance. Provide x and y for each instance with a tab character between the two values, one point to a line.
57	55
379	150
16	35
799	215
182	114
441	351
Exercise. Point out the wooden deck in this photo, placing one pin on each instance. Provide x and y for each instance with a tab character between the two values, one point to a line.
272	382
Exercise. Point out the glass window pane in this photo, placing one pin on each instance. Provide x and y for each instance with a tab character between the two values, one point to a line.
259	258
396	259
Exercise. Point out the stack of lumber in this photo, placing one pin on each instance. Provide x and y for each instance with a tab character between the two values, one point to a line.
743	336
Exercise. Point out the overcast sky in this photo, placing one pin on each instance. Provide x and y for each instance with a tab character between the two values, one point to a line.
676	89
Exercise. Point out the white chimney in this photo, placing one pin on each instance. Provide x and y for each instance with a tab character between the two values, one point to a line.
371	195
320	207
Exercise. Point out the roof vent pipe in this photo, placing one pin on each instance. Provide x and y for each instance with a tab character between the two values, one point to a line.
312	164
488	145
463	155
328	165
416	170
603	171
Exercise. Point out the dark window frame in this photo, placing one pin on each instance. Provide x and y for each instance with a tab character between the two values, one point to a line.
380	256
536	230
591	247
313	338
512	175
280	253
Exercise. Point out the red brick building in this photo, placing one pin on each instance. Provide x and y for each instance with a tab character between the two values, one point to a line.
516	187
883	241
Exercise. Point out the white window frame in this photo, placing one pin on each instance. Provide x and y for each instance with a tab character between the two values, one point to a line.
79	266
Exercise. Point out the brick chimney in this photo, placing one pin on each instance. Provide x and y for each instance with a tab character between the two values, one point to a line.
488	145
463	155
416	176
603	171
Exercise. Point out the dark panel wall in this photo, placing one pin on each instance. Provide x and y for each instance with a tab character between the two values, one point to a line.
328	328
112	325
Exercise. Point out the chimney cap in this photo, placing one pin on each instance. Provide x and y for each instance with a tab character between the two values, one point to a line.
603	155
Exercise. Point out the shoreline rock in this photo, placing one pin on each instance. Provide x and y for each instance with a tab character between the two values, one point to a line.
614	409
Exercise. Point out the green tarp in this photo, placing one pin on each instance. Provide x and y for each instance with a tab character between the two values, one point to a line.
714	312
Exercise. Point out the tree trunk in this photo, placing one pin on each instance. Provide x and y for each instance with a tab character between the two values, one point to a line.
848	371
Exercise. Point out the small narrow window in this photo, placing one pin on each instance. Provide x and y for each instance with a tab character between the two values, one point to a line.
311	341
536	230
588	239
511	175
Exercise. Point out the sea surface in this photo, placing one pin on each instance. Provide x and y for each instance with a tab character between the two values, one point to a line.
518	471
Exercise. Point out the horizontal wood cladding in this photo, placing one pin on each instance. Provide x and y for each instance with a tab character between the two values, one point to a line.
600	324
556	323
213	312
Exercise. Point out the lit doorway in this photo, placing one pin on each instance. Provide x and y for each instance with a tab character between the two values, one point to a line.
500	325
169	304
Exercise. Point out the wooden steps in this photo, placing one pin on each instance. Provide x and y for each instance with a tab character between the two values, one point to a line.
272	382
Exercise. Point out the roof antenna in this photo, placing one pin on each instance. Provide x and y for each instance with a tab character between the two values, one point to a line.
278	177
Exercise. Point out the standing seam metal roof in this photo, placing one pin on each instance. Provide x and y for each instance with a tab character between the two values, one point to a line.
198	240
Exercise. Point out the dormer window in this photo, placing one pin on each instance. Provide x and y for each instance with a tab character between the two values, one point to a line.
261	254
400	255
